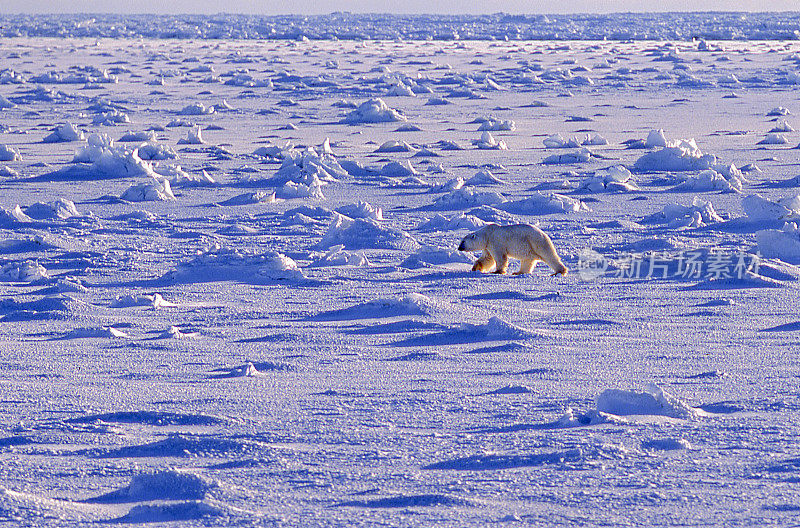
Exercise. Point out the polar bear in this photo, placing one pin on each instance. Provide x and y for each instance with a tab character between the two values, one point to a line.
523	241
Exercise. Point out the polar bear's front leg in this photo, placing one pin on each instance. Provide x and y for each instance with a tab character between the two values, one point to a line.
502	263
484	263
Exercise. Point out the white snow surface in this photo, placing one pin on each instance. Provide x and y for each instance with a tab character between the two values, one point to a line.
271	325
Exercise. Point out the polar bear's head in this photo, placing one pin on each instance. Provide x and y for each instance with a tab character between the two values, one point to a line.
474	241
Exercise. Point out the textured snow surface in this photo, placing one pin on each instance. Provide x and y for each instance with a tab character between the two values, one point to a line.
231	295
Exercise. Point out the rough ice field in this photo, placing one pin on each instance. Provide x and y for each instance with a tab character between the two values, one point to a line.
232	296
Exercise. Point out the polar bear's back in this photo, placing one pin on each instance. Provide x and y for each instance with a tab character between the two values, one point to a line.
520	239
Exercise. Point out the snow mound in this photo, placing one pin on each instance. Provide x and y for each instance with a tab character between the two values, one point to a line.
397	169
11	217
666	444
64	133
484	177
460	221
682	155
655	138
496	125
106	161
142	136
173	332
495	329
159	485
578	156
363	233
545	203
488	142
782	126
58	209
512	389
307	167
654	401
467	197
572	418
710	180
155	151
677	216
103	331
612	179
9	154
783	244
404	305
152	300
25	271
219	264
373	111
361	210
148	192
758	208
558	141
196	109
778	111
395	146
291	190
163	513
773	138
8	172
177	177
336	256
250	198
111	118
428	256
194	136
450	185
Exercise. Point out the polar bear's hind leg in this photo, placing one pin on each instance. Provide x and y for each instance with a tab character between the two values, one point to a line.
526	266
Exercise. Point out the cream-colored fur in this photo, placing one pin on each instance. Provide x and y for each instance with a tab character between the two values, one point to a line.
522	241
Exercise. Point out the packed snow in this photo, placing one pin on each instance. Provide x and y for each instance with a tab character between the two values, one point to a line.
232	294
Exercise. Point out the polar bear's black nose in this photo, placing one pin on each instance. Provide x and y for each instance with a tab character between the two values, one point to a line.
461	246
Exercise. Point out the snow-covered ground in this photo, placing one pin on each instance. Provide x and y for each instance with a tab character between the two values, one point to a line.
232	296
